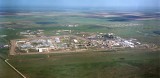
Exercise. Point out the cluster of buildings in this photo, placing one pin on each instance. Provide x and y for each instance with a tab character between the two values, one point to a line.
111	41
71	25
38	45
30	33
4	46
48	44
68	43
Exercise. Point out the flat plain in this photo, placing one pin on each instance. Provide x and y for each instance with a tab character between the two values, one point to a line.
126	63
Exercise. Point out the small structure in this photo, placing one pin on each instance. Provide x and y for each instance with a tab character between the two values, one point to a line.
42	49
57	40
76	41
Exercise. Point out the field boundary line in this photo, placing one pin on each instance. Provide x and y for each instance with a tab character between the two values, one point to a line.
15	68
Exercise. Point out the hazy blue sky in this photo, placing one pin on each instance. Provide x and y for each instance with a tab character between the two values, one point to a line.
80	3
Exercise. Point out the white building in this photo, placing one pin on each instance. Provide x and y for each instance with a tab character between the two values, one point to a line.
57	40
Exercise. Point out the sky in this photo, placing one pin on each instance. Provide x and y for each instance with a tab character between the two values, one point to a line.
81	3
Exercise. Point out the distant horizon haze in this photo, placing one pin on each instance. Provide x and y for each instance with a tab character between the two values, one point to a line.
100	4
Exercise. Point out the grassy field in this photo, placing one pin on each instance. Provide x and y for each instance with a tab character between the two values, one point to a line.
122	64
6	71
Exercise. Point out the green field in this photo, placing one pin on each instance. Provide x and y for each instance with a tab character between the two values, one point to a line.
6	71
121	64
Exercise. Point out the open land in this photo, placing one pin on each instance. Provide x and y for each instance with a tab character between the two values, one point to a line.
121	64
114	63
